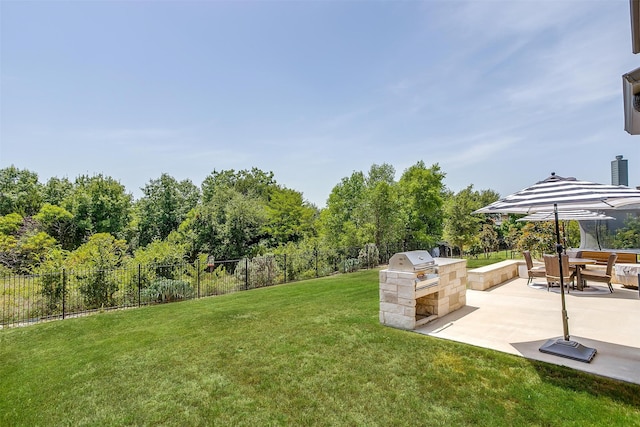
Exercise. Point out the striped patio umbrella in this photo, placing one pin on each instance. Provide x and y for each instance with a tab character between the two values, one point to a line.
567	194
567	215
551	195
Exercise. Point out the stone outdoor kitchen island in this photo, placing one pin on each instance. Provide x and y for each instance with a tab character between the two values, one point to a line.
416	289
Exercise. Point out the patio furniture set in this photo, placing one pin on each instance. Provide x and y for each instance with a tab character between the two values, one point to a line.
574	270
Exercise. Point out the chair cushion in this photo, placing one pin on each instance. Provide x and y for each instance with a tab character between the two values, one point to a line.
594	274
537	272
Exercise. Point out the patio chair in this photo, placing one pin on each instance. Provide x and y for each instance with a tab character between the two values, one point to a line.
599	275
532	271
552	268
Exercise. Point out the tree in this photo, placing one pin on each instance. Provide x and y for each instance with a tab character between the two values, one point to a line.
56	190
422	193
22	245
228	226
164	206
254	183
244	220
10	224
461	227
20	191
383	210
289	217
92	264
57	222
488	239
629	235
538	238
342	221
98	204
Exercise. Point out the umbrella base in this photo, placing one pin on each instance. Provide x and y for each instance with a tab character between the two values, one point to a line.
568	349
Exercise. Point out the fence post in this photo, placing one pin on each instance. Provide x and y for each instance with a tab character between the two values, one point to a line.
139	285
198	275
246	274
64	290
315	252
285	268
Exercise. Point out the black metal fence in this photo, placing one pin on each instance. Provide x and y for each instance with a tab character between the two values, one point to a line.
27	299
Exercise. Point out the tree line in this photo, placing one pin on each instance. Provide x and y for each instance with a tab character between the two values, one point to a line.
93	222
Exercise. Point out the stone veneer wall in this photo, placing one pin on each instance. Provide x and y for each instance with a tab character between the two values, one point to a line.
398	295
483	278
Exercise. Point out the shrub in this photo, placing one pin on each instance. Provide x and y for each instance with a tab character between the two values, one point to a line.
350	265
369	256
262	271
98	287
167	290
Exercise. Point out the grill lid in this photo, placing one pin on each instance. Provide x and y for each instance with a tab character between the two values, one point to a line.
411	261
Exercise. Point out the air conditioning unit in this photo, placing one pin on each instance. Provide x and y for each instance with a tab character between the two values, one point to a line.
631	98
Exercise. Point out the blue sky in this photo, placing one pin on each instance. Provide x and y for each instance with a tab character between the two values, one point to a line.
498	93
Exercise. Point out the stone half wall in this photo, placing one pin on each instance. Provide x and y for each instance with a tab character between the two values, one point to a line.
483	278
405	307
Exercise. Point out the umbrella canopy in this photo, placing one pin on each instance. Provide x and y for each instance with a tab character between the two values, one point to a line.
567	193
570	215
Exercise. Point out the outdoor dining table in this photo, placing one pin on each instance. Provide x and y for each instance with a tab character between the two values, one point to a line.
579	264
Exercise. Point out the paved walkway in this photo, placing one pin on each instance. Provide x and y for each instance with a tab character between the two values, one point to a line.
518	319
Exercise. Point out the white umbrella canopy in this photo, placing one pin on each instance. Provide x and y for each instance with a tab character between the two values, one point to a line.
567	215
568	194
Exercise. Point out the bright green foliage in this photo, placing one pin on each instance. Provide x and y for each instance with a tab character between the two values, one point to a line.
511	230
20	191
10	224
300	258
376	209
488	239
228	226
99	204
245	218
22	246
629	235
159	259
35	247
384	215
539	238
56	190
461	227
289	218
92	264
343	219
166	252
422	192
57	222
50	271
164	206
254	183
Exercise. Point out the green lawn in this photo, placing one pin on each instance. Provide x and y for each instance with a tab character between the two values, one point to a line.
302	354
482	260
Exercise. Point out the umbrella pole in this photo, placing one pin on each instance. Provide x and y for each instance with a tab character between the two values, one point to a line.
559	249
565	347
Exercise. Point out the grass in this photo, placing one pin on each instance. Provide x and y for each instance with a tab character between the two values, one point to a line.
482	260
305	354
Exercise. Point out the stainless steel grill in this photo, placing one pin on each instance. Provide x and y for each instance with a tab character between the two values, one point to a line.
413	261
419	263
416	289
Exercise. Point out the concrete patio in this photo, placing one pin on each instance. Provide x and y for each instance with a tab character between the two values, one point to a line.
518	319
